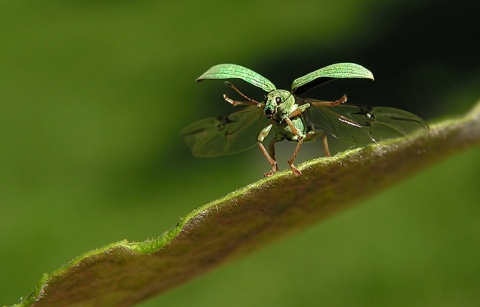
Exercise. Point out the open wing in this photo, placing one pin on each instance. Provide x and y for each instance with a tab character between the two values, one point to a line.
232	71
362	124
226	134
329	73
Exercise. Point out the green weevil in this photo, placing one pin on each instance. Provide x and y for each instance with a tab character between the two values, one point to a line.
292	118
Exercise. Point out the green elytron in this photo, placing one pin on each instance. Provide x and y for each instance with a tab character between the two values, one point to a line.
292	118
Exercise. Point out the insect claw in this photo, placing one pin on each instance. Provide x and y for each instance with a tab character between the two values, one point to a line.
230	101
272	171
295	170
342	100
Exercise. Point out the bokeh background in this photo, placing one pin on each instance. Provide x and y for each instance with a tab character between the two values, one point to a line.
93	95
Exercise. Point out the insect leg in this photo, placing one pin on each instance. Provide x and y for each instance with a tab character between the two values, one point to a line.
295	170
271	148
318	103
271	160
299	110
249	101
237	103
343	99
325	145
315	134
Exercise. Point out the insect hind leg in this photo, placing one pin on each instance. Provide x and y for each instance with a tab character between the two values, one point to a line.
312	134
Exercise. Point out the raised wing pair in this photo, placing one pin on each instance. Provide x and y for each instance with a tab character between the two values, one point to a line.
292	118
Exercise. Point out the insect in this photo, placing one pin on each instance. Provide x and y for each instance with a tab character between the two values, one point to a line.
292	118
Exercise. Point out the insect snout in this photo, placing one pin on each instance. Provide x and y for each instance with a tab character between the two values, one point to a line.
270	111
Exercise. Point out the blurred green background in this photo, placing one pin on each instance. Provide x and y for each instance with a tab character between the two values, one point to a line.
93	95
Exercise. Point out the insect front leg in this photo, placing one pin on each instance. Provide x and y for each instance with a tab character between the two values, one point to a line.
270	155
234	103
295	170
238	103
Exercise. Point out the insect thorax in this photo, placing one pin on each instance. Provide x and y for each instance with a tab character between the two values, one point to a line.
283	132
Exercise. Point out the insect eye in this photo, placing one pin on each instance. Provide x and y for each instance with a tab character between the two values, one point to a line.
278	100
